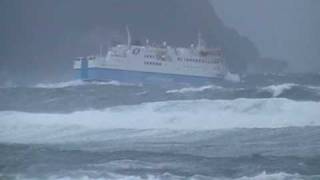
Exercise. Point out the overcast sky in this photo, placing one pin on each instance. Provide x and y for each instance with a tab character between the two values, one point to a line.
46	34
284	29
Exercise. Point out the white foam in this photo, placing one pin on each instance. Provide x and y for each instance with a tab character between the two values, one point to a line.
315	89
193	89
277	90
168	176
276	176
175	115
79	83
232	77
60	84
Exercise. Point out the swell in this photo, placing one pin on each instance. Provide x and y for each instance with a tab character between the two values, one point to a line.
79	97
175	115
164	176
50	162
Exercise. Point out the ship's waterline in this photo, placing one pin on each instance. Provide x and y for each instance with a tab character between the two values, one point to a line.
136	77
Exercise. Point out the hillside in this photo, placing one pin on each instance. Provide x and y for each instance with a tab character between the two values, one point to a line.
46	35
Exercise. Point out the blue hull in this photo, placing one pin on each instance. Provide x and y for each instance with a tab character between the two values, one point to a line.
99	74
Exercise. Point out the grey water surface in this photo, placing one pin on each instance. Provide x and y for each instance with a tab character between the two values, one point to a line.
286	152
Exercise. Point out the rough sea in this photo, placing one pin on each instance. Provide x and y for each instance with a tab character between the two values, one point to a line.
264	127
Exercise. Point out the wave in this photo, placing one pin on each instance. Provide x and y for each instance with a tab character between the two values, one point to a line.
316	89
174	115
292	91
194	89
168	176
60	84
235	78
96	95
79	83
277	90
277	176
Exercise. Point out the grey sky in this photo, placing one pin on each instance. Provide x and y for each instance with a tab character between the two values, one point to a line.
40	38
284	29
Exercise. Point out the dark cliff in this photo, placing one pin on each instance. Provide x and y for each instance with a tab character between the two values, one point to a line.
40	38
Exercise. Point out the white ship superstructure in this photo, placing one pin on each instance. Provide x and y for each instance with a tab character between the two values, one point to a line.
127	62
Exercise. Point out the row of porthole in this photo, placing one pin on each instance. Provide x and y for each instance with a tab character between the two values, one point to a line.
154	57
150	56
152	63
198	61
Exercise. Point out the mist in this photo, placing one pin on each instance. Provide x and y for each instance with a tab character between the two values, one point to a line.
287	29
40	39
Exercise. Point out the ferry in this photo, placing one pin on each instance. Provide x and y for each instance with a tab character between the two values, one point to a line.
135	63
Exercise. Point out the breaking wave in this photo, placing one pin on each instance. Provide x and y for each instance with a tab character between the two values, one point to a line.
79	83
232	78
168	176
277	90
315	89
194	89
76	96
175	115
277	176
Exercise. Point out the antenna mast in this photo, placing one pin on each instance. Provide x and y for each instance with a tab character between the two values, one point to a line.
100	49
201	43
129	36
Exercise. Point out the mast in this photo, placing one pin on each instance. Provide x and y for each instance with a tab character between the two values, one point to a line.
100	49
201	44
129	36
